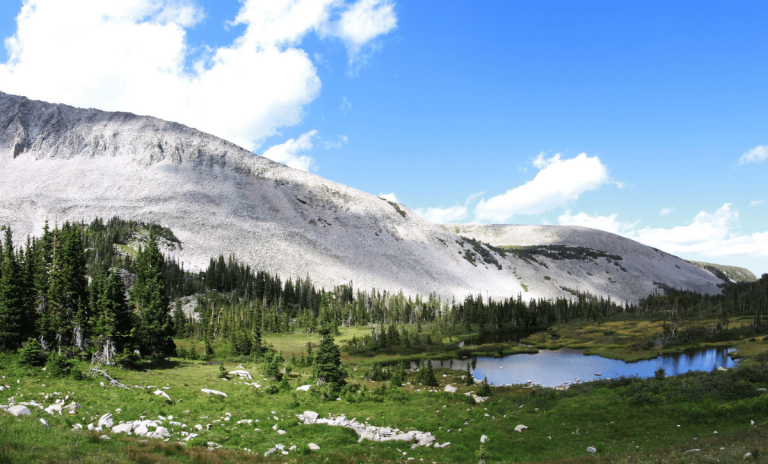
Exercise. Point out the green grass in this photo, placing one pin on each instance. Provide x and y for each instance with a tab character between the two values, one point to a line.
634	421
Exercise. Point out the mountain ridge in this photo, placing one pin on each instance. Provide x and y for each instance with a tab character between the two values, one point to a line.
64	163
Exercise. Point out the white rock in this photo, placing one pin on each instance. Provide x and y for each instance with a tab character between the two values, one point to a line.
243	374
310	417
198	427
163	394
271	450
303	388
245	421
450	389
53	408
77	427
43	421
281	432
520	428
123	428
105	421
483	438
104	437
213	392
748	455
313	447
160	432
19	410
141	430
591	449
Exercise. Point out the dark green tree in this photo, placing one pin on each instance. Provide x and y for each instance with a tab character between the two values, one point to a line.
155	329
31	353
485	388
326	366
470	379
114	325
429	375
12	297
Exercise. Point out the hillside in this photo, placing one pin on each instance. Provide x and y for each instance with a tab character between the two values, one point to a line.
62	163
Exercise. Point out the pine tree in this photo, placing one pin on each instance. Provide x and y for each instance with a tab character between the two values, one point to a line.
114	324
326	366
470	379
12	296
429	376
155	331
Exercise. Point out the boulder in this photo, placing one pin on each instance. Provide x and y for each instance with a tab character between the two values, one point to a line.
163	394
313	447
243	374
520	428
303	388
19	410
198	427
141	430
310	417
105	421
591	449
160	432
213	392
123	428
53	408
450	389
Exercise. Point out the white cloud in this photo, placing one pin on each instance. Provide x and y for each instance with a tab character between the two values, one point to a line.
666	211
756	202
755	155
286	152
345	105
340	141
606	223
363	22
710	234
557	183
443	215
389	197
133	55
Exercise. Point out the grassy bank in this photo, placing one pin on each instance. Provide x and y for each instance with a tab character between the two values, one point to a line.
638	339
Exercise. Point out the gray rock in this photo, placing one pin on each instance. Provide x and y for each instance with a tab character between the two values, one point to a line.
271	450
591	449
310	417
313	447
450	389
19	410
105	421
123	428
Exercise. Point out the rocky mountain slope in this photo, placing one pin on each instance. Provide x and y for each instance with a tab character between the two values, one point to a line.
63	163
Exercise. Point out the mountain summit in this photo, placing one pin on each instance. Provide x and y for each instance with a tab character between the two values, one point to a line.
61	163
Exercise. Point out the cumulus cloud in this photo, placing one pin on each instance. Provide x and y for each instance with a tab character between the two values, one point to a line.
133	55
557	183
756	202
286	153
443	215
363	22
389	197
666	211
710	234
755	155
606	223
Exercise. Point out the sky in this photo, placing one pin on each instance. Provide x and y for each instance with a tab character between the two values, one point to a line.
646	119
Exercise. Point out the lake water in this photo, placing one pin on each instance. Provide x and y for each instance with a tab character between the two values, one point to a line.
555	368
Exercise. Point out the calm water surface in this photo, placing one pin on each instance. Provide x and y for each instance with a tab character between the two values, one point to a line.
554	368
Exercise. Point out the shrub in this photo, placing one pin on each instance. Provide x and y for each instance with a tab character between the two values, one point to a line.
31	353
57	365
485	388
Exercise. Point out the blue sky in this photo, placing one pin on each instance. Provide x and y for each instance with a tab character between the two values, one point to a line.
463	111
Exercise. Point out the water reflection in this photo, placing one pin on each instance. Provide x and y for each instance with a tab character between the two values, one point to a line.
554	368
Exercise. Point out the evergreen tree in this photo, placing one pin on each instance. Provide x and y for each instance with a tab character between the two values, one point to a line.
67	316
155	331
114	321
470	379
326	365
31	353
485	388
12	297
429	376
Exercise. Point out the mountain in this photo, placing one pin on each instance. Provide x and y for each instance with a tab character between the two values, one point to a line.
61	163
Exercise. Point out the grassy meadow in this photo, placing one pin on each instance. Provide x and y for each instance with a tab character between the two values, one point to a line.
626	420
